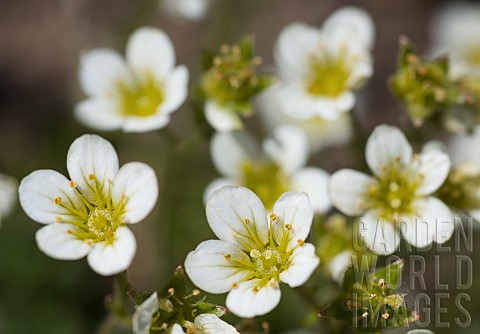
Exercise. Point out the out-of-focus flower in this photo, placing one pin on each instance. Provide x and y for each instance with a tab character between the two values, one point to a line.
193	10
137	94
8	194
229	84
87	215
202	324
278	168
253	254
321	133
320	68
398	197
420	331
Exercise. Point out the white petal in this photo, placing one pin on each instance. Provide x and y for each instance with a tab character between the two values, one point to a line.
348	190
417	230
211	324
230	151
144	124
294	47
439	217
244	301
228	208
56	241
142	318
217	184
99	113
138	183
295	101
92	161
222	118
293	208
209	267
176	89
194	10
288	147
8	194
175	329
313	181
420	331
304	263
387	145
150	50
101	71
434	166
110	259
38	192
339	264
378	234
356	21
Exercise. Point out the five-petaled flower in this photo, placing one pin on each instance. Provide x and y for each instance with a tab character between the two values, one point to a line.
87	215
398	197
135	95
255	252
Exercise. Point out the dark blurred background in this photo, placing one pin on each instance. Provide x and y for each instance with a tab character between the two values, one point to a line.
40	44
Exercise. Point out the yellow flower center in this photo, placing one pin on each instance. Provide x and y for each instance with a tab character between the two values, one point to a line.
329	75
100	217
266	180
142	98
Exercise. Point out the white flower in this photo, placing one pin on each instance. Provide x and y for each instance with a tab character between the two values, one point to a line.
87	215
321	133
254	254
8	195
202	324
279	167
339	264
137	94
455	32
319	68
398	196
194	10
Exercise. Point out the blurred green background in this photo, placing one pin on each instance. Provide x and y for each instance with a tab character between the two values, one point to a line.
40	43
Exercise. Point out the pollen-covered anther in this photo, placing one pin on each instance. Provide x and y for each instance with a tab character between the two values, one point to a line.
364	315
91	177
72	183
58	219
373	295
227	256
57	200
171	292
246	221
386	316
195	292
273	217
300	242
288	227
256	289
382	283
234	285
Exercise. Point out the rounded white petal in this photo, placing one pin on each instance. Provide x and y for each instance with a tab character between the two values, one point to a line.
227	210
99	113
144	124
217	184
387	144
38	192
420	331
304	263
92	160
230	151
314	182
463	147
56	241
293	208
288	147
417	230
294	47
378	234
8	194
433	166
246	302
187	9
209	267
110	259
211	324
339	264
438	216
101	71
142	318
356	21
176	89
222	118
150	50
138	183
297	103
348	191
176	329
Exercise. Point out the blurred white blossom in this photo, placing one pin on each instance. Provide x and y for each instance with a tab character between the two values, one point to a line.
8	194
397	199
278	167
193	10
254	254
135	94
87	214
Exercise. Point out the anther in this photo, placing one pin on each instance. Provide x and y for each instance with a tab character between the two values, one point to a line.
57	200
72	183
227	256
246	221
58	219
382	283
300	242
91	177
171	292
288	226
234	285
365	315
273	217
386	316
